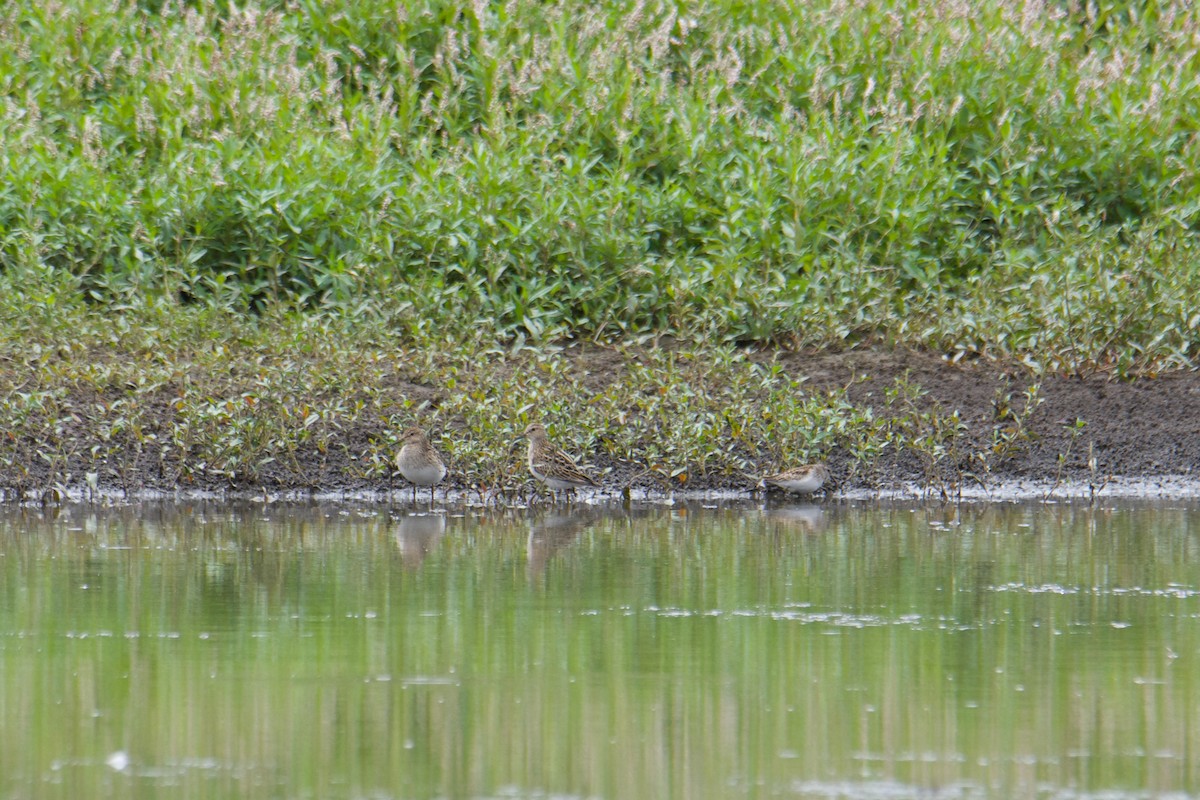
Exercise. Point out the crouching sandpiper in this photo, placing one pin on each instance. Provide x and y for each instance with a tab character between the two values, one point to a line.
801	480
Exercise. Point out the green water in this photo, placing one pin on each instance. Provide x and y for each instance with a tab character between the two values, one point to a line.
270	651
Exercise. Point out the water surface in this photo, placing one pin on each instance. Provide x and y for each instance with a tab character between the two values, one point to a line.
332	651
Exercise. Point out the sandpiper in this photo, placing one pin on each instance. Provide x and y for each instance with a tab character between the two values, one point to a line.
801	480
552	466
418	462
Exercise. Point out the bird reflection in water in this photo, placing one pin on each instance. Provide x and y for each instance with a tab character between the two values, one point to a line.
551	533
416	535
809	518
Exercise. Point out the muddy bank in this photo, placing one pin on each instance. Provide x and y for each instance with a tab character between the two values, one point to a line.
124	435
1132	429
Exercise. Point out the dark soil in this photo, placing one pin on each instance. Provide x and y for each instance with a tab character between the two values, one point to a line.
1146	427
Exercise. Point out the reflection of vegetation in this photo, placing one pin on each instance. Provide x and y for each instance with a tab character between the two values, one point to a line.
953	646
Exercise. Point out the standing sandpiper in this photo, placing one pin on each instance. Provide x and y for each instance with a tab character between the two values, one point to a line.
552	466
801	480
418	462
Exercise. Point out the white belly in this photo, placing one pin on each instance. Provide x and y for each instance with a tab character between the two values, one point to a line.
557	484
805	485
418	470
424	476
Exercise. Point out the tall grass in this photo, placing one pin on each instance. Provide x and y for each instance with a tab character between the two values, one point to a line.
1008	178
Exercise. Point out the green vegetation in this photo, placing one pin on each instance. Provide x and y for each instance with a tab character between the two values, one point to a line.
1012	179
207	398
354	192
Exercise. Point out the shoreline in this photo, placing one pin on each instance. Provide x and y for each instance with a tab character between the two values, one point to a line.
1155	488
256	417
